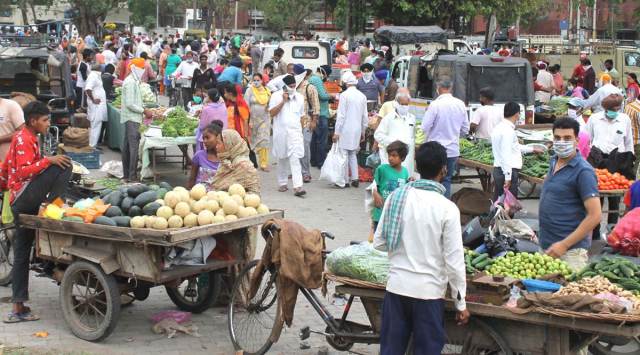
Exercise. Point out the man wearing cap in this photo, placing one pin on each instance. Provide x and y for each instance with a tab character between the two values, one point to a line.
545	79
286	106
131	114
445	121
351	122
372	89
321	132
594	101
309	119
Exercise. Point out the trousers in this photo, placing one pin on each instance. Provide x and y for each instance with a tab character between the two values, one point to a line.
405	316
263	157
499	179
305	161
283	172
46	186
130	150
452	164
319	142
352	165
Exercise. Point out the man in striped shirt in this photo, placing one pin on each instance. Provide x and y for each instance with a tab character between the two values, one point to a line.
632	110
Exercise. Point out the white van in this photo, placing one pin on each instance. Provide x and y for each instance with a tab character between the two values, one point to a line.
311	54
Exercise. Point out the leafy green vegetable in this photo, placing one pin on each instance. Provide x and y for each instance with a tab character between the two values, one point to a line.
179	124
360	262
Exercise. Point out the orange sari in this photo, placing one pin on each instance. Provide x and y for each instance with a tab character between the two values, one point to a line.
238	115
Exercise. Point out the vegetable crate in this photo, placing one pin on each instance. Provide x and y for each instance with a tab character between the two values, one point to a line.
90	160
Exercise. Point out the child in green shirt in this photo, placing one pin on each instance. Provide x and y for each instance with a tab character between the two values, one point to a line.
389	177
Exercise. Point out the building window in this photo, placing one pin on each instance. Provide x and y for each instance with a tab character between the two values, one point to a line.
305	52
632	59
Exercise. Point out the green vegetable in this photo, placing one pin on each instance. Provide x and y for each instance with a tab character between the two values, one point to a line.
122	221
360	262
144	198
113	211
179	124
135	211
105	221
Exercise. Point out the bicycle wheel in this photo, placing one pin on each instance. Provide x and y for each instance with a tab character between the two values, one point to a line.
615	346
6	256
480	339
252	322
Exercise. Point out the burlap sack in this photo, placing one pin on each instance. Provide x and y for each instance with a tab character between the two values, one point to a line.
22	98
76	137
472	201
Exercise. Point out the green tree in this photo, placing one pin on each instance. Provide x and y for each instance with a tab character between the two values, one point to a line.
91	13
282	14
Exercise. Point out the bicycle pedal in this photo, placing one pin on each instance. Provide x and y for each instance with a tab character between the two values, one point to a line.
305	333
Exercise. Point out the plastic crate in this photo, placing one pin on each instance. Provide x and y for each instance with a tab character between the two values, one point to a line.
90	160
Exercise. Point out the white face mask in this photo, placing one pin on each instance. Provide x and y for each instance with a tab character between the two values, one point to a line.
572	113
367	77
402	110
290	90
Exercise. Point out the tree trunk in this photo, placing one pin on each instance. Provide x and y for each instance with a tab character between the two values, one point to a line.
209	20
22	4
491	30
33	12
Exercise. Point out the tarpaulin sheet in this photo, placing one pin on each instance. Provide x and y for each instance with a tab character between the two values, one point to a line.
409	34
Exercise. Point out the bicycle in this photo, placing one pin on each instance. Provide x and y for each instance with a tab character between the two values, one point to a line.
254	323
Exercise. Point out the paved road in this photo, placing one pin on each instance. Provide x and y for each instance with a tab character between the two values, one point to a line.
326	208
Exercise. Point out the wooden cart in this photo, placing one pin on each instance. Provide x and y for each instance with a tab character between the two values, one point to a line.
96	265
495	329
484	172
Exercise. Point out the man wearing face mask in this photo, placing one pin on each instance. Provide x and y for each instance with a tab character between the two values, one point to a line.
185	72
286	107
611	144
370	86
309	119
131	114
321	133
398	126
570	189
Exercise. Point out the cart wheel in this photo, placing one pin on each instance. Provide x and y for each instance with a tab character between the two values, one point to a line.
196	294
525	188
615	346
141	293
481	339
337	342
90	301
253	322
6	256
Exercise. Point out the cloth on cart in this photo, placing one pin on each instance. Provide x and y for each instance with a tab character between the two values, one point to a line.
147	143
193	252
291	247
577	303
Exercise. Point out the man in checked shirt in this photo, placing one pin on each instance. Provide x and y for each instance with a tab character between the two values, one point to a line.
30	179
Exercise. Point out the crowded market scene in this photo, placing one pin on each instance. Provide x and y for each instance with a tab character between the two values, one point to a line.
311	177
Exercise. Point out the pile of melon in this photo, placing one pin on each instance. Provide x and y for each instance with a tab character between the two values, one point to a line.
197	207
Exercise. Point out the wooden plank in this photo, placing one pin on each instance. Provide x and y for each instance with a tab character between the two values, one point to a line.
182	271
531	179
156	237
475	164
51	244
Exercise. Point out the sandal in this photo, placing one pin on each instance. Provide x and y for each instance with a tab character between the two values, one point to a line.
20	317
299	192
306	178
283	188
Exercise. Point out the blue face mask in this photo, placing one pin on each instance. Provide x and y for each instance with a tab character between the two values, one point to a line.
611	114
197	100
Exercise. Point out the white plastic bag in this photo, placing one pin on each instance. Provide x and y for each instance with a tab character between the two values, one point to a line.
369	205
334	166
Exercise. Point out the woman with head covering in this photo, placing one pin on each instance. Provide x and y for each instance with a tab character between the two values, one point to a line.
213	110
237	110
235	165
257	96
96	103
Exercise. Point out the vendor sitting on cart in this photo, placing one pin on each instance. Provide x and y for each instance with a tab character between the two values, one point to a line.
569	203
425	254
31	179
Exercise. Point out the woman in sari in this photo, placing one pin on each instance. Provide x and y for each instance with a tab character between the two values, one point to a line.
257	96
237	110
235	165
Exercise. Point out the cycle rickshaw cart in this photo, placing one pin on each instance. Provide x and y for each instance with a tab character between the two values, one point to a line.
97	264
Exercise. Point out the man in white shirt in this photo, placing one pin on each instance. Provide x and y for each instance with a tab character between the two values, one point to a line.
507	152
109	55
425	255
445	121
487	116
287	108
185	73
351	122
545	79
398	125
212	56
595	101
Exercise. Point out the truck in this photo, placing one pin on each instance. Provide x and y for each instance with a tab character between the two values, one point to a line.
409	40
511	79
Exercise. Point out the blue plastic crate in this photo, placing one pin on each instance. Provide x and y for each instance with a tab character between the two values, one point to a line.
90	160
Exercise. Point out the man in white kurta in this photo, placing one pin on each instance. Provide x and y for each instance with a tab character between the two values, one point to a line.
96	104
287	108
351	122
398	125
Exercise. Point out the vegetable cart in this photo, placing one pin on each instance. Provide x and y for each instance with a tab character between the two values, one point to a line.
97	264
495	329
486	179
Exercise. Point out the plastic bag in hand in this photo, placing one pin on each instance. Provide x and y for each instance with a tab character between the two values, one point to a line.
510	202
335	166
